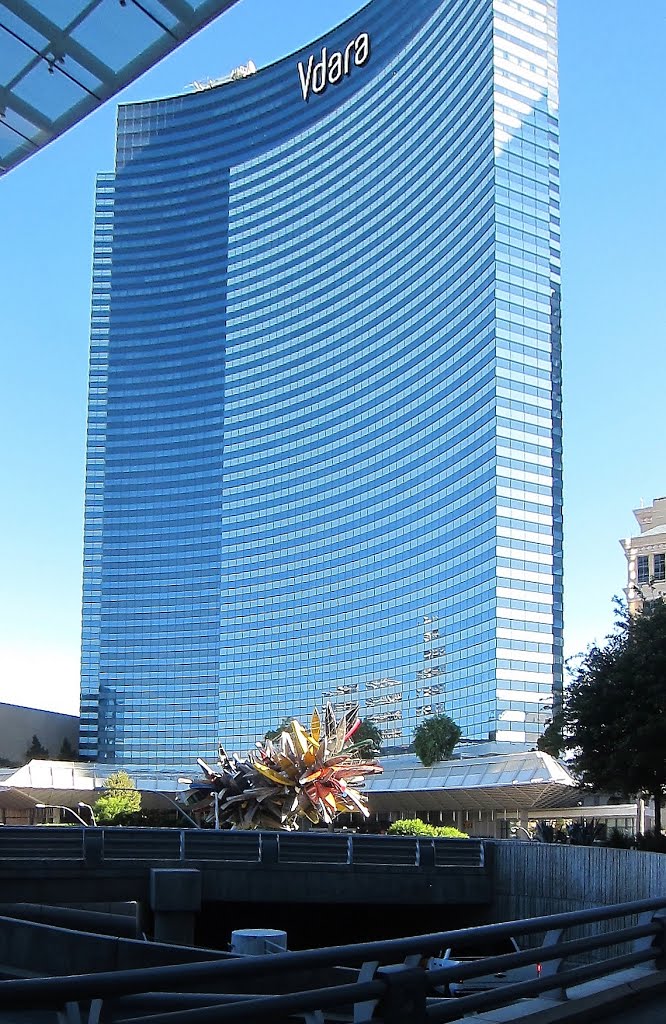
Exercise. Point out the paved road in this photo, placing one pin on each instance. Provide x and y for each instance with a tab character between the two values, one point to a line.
651	1012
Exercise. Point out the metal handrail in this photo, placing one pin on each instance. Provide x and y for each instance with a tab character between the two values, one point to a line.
526	989
55	992
538	954
268	1006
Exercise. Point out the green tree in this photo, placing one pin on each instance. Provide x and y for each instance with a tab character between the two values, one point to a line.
119	799
552	740
36	752
615	708
368	730
6	763
435	739
273	734
67	752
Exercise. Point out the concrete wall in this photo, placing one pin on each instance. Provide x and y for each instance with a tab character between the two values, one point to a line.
41	949
535	879
532	879
18	725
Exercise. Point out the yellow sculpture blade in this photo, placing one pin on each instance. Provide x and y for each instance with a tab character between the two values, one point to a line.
269	773
315	725
300	736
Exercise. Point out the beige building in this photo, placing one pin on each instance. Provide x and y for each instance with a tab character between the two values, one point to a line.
18	726
646	556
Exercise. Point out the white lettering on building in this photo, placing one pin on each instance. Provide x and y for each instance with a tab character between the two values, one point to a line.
331	68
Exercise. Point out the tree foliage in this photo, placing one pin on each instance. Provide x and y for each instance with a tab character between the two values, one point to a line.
119	799
552	739
369	732
67	752
435	739
615	710
273	734
36	752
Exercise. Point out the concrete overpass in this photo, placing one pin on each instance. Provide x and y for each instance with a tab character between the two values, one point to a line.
177	872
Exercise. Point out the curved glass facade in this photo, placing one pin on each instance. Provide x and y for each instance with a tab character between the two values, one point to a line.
325	432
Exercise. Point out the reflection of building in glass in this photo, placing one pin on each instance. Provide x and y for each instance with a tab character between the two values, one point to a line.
325	392
646	556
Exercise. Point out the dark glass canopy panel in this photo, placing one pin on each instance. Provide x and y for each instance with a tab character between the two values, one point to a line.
59	61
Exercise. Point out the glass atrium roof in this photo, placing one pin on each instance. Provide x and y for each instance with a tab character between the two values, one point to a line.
60	59
501	781
491	782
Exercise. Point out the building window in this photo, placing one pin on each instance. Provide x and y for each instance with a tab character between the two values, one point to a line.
643	569
660	567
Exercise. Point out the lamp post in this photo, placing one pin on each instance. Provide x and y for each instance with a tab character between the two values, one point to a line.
216	800
88	808
164	796
179	808
521	828
62	807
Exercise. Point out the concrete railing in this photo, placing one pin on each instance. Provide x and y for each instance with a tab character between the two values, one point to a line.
102	845
34	948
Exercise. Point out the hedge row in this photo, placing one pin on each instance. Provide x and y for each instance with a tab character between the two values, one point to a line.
416	827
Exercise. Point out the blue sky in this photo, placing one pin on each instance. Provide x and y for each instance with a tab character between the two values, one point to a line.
612	88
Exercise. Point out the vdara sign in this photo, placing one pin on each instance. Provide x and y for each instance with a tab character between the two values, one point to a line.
332	68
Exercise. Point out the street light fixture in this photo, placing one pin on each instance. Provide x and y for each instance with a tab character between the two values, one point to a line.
521	828
88	808
62	807
165	796
216	800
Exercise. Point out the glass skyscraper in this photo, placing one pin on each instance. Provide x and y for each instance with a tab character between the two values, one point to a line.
324	446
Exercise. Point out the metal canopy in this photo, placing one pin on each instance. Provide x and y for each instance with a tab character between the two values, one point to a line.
68	782
60	59
490	782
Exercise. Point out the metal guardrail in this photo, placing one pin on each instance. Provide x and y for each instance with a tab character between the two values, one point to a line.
393	984
100	845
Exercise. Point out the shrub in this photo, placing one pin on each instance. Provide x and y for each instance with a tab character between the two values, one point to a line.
416	827
619	839
651	841
411	827
449	832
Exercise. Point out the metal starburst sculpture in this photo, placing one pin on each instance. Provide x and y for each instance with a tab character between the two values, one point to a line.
301	774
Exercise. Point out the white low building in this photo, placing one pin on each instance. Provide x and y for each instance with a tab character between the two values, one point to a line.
495	795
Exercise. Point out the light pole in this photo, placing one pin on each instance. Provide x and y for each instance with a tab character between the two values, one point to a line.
179	808
88	808
521	828
160	793
216	800
62	807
